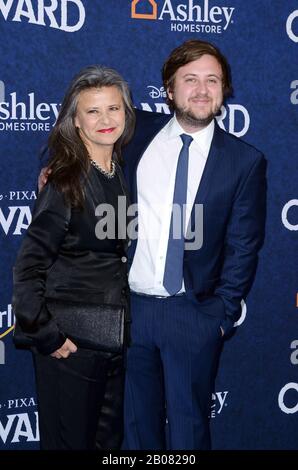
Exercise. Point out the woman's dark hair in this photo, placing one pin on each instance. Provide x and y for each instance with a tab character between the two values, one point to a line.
68	157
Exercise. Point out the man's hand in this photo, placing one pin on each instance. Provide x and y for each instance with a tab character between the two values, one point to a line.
43	177
66	349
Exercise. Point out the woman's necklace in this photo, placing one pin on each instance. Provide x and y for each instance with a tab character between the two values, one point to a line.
108	174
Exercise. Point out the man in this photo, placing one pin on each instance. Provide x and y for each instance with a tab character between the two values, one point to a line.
184	302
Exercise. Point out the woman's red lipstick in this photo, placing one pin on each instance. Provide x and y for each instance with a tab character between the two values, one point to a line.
106	131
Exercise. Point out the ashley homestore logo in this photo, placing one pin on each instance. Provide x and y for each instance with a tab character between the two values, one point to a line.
25	113
150	5
189	16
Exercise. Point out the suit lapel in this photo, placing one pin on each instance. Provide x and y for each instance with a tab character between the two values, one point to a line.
123	184
147	129
95	188
211	173
211	165
148	126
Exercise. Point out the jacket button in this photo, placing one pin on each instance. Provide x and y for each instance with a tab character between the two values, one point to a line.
123	259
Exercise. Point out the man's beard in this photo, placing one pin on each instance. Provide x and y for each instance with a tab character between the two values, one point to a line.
189	118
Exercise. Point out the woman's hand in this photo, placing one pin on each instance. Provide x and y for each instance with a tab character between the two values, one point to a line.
43	177
66	349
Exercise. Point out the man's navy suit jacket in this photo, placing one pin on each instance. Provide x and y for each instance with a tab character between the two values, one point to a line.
233	192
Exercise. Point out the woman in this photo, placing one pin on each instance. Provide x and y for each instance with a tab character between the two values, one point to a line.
65	258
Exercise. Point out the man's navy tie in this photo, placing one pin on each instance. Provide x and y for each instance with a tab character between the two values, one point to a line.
173	274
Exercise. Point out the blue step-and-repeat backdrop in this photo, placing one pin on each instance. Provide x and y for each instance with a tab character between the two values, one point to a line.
43	44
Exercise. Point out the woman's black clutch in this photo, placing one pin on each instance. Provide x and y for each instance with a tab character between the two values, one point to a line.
90	326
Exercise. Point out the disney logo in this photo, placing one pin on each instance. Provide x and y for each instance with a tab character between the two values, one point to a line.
157	92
